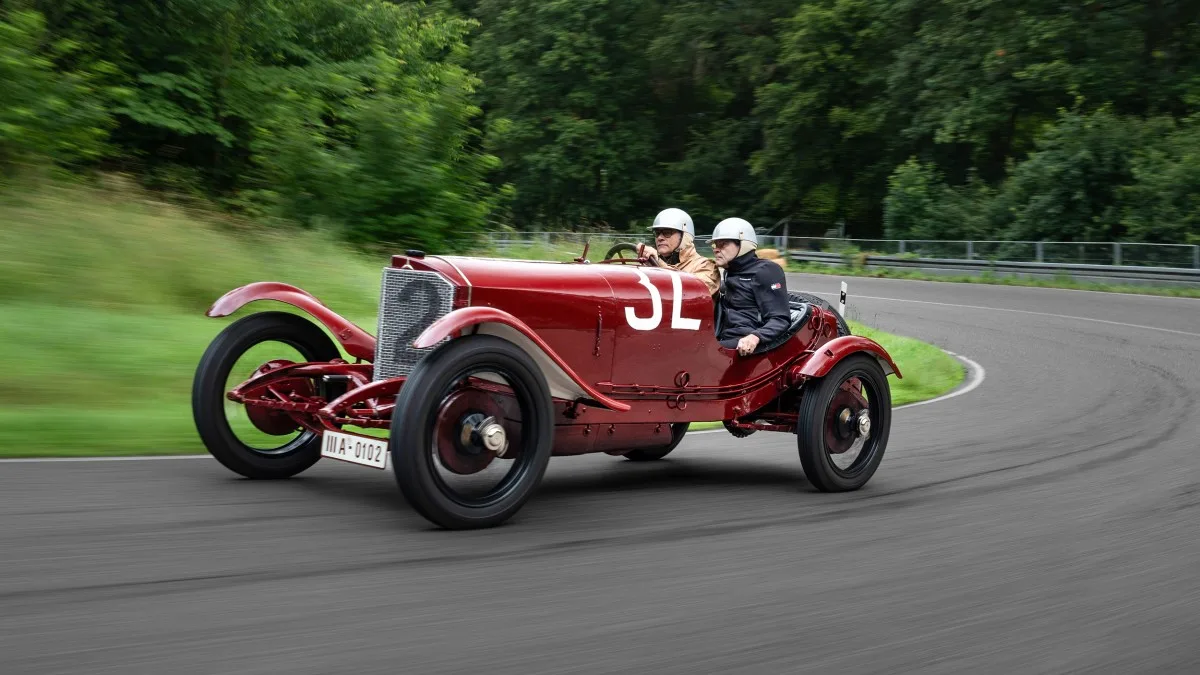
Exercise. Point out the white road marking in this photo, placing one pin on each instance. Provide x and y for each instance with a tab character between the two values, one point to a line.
118	458
977	374
816	275
1026	311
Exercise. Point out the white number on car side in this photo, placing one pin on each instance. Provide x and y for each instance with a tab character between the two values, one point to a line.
655	318
677	320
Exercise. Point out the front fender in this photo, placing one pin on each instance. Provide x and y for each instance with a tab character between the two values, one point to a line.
356	341
830	353
563	381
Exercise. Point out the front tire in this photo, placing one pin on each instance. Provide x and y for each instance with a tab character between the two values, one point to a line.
828	433
420	413
209	389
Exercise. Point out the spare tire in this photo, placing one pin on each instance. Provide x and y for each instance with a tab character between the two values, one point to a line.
797	296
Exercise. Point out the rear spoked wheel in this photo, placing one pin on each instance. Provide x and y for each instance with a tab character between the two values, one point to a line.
843	426
472	433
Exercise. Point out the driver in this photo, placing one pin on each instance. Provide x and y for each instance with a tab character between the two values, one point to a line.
674	249
754	300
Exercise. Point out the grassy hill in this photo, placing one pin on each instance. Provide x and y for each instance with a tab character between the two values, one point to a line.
102	299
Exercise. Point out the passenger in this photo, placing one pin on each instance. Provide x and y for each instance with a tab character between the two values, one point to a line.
754	301
674	237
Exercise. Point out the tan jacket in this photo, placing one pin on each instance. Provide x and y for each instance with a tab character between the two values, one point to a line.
692	262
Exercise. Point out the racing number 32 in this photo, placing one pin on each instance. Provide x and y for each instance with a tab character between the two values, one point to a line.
655	318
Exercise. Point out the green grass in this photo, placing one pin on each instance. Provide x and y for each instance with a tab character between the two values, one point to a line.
102	299
928	371
1060	281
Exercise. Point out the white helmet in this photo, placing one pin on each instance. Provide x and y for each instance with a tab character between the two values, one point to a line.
674	219
737	229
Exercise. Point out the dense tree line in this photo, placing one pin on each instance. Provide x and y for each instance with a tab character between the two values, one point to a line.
1019	119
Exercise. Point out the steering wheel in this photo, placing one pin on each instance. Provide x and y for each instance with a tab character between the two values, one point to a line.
614	254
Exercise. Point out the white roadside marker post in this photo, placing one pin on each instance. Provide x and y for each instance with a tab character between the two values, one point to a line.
842	301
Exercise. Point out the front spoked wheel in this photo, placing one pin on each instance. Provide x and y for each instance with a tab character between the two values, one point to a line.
255	441
843	426
472	433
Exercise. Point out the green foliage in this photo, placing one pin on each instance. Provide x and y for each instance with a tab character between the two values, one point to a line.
919	205
1066	190
410	122
44	111
317	110
1162	202
825	124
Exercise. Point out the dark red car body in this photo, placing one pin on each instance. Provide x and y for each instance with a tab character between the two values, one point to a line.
627	350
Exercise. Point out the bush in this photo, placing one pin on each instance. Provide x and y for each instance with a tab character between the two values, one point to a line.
43	112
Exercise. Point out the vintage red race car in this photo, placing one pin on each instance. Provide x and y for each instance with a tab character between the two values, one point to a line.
482	366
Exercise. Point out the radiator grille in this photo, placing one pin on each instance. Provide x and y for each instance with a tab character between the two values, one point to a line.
409	301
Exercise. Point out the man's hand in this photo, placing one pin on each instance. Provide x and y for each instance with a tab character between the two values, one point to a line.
650	253
747	345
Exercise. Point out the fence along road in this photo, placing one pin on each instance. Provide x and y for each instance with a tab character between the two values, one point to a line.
1113	262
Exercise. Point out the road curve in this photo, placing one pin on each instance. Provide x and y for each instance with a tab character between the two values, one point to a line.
1045	522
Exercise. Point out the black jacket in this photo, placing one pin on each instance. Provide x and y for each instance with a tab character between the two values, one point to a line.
754	299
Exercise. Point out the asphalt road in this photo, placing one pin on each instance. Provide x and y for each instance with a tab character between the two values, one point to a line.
1046	522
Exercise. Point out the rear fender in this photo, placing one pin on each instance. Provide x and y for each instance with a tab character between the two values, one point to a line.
837	349
563	381
356	341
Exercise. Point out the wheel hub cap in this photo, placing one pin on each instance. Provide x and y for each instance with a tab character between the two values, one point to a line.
469	435
495	440
864	424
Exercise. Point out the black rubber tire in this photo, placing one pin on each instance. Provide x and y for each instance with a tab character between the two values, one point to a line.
810	432
208	393
736	432
411	440
643	455
843	327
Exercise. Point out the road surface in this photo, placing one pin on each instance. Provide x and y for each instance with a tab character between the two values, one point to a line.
1046	522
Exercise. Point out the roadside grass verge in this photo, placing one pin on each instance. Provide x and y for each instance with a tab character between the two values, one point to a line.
928	371
102	300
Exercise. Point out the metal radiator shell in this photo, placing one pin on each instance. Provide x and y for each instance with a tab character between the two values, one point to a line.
409	302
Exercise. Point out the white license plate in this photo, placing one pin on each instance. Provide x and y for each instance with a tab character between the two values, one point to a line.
372	452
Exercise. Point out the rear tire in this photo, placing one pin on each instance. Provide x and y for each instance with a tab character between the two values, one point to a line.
414	429
643	455
816	406
208	393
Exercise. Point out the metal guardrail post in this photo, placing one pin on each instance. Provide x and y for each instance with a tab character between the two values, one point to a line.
1040	252
970	250
1116	253
1196	257
901	246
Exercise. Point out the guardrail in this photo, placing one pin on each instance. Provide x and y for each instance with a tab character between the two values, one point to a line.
1140	274
1111	253
1116	254
1132	262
